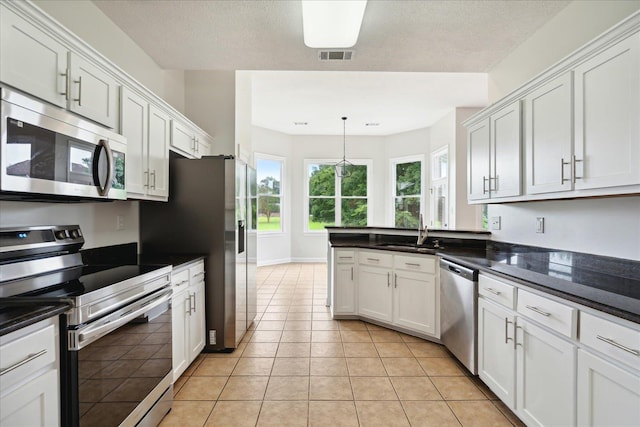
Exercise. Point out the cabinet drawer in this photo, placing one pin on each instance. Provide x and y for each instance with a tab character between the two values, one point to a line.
377	258
617	341
497	291
557	316
196	272
180	279
26	351
424	264
345	256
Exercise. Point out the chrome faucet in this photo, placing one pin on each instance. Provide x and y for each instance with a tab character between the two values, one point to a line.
422	232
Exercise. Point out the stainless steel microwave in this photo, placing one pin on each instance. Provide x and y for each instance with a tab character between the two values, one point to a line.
47	152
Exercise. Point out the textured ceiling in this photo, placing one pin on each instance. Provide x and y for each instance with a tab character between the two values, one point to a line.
400	57
443	36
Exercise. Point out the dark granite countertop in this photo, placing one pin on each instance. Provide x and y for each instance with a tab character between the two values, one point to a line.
611	285
16	315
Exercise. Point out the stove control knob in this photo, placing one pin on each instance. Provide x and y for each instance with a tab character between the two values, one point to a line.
61	234
75	233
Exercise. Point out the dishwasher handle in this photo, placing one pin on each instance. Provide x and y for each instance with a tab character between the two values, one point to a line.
459	270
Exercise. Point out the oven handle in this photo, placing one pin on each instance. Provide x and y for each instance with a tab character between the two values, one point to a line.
115	320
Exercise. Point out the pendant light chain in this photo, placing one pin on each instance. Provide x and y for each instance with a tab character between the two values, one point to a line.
342	167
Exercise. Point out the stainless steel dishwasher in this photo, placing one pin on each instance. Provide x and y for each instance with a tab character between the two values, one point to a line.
459	312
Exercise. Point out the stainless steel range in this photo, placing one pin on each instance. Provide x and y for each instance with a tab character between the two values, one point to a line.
116	366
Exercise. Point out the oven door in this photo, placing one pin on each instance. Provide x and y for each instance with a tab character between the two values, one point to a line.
117	367
41	153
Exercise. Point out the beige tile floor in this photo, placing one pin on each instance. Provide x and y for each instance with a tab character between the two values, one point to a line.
298	367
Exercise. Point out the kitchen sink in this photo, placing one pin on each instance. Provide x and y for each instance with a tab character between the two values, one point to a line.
407	247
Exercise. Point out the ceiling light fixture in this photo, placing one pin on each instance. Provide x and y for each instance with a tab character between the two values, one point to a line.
333	23
343	168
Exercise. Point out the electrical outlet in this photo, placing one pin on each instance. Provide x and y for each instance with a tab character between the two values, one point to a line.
119	222
540	224
495	223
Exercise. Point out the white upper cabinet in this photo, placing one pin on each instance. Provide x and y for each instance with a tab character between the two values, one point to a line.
505	179
93	92
31	60
158	153
478	163
548	136
607	117
187	141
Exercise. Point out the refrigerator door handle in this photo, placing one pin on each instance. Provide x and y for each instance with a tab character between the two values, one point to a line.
241	236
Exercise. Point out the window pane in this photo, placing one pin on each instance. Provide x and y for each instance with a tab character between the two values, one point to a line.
356	183
354	212
440	162
408	179
441	207
407	212
269	213
321	212
269	176
322	180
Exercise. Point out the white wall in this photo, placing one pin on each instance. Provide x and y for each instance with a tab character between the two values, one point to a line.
210	102
88	22
463	215
97	220
575	25
609	226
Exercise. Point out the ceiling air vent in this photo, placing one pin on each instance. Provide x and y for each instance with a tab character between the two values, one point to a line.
335	55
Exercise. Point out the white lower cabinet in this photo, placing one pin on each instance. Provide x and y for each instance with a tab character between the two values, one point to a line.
414	305
607	394
545	381
375	293
344	282
188	318
29	378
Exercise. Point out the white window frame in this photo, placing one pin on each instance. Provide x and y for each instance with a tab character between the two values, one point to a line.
435	181
282	160
392	173
338	193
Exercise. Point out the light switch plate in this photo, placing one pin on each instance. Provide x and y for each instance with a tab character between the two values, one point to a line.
119	222
495	223
540	224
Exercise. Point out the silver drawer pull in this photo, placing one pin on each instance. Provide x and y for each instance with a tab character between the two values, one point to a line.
26	360
411	264
537	310
620	346
373	259
181	283
493	291
345	257
199	274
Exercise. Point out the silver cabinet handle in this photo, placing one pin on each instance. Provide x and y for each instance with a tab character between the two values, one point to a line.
352	274
562	163
411	264
537	310
193	147
190	308
197	147
506	330
146	178
198	274
181	283
345	257
153	174
373	259
620	346
493	291
495	183
24	361
575	175
66	84
194	301
395	280
79	99
484	184
515	337
388	279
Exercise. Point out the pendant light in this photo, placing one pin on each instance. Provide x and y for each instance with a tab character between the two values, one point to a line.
343	169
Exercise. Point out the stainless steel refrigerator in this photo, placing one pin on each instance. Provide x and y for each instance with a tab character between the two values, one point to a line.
212	210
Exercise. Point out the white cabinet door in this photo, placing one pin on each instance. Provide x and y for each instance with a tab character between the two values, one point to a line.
506	154
415	301
183	138
196	320
546	377
94	92
375	293
158	152
607	395
135	110
548	136
478	163
34	403
607	117
180	332
32	61
496	353
344	289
